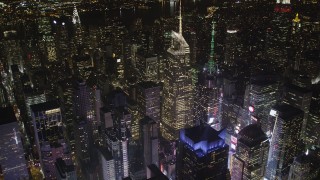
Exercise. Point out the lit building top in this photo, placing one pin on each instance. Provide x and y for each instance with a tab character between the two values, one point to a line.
179	45
296	19
75	17
202	139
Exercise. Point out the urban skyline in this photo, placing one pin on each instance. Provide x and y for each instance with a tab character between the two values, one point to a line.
160	89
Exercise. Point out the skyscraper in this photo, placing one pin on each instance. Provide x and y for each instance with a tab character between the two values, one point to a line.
251	154
150	141
285	142
305	166
48	129
178	90
277	35
12	159
260	95
300	98
210	92
47	122
202	154
81	99
148	103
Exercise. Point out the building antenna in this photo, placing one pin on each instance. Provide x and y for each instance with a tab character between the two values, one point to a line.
180	20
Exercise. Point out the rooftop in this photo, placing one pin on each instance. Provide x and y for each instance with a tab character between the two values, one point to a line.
147	84
7	115
45	106
202	139
286	111
252	135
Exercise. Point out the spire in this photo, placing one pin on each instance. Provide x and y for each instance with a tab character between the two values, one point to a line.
75	16
211	60
180	20
296	19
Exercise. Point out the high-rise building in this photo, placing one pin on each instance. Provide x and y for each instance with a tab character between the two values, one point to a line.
12	158
148	103
117	140
202	154
277	35
251	154
305	166
118	146
82	105
107	164
178	90
32	97
285	142
64	171
82	140
148	67
48	130
150	141
209	104
261	94
232	47
313	123
300	98
47	122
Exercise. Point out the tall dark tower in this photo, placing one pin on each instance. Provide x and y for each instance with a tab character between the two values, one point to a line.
251	155
210	92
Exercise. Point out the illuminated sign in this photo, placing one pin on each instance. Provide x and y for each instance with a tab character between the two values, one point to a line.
51	111
251	109
273	113
234	140
211	120
254	118
233	146
232	31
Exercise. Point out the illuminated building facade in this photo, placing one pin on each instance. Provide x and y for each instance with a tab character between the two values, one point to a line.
313	123
48	129
107	164
305	166
232	47
118	146
147	65
178	90
285	142
202	154
261	94
12	158
299	98
210	91
82	140
81	99
33	98
147	96
277	35
251	154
